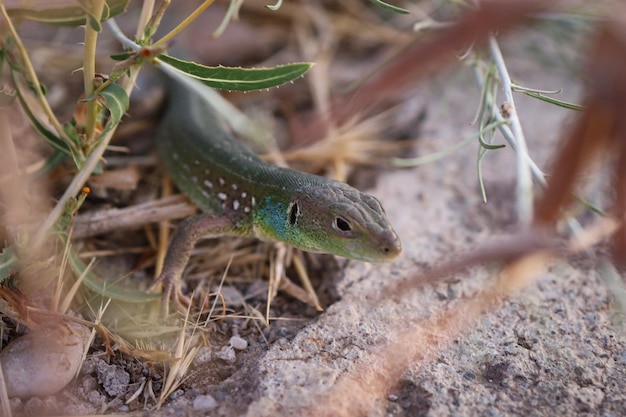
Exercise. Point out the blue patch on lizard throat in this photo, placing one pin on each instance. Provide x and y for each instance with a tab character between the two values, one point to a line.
270	217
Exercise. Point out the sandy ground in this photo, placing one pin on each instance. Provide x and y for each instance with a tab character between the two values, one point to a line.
557	347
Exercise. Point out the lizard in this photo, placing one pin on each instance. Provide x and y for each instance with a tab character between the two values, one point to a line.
239	194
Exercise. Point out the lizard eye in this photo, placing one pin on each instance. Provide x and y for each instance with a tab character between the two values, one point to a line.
342	225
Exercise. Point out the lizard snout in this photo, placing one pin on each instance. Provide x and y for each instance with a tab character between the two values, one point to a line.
390	245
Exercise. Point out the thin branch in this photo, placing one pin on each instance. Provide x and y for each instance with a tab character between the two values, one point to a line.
184	23
508	135
121	38
90	164
524	178
89	67
147	9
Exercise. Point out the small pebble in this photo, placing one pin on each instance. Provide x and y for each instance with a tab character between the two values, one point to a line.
176	394
231	295
238	343
204	402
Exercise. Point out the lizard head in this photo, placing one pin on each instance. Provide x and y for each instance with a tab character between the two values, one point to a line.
332	217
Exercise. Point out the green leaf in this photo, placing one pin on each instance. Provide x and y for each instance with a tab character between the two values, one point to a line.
63	12
18	69
114	98
239	79
72	134
106	12
487	128
552	100
50	137
121	56
94	24
391	7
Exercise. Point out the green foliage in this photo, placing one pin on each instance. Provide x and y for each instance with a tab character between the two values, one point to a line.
65	12
552	100
54	140
114	98
238	79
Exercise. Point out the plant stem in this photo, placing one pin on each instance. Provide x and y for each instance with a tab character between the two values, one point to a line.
503	127
90	164
89	68
184	23
524	176
146	11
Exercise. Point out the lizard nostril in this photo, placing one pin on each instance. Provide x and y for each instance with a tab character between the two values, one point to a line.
392	246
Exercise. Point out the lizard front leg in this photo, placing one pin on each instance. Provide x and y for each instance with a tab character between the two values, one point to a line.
187	234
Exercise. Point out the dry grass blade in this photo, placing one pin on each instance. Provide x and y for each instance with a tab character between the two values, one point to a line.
186	350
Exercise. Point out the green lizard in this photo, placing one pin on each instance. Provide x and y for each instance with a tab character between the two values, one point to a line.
242	195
